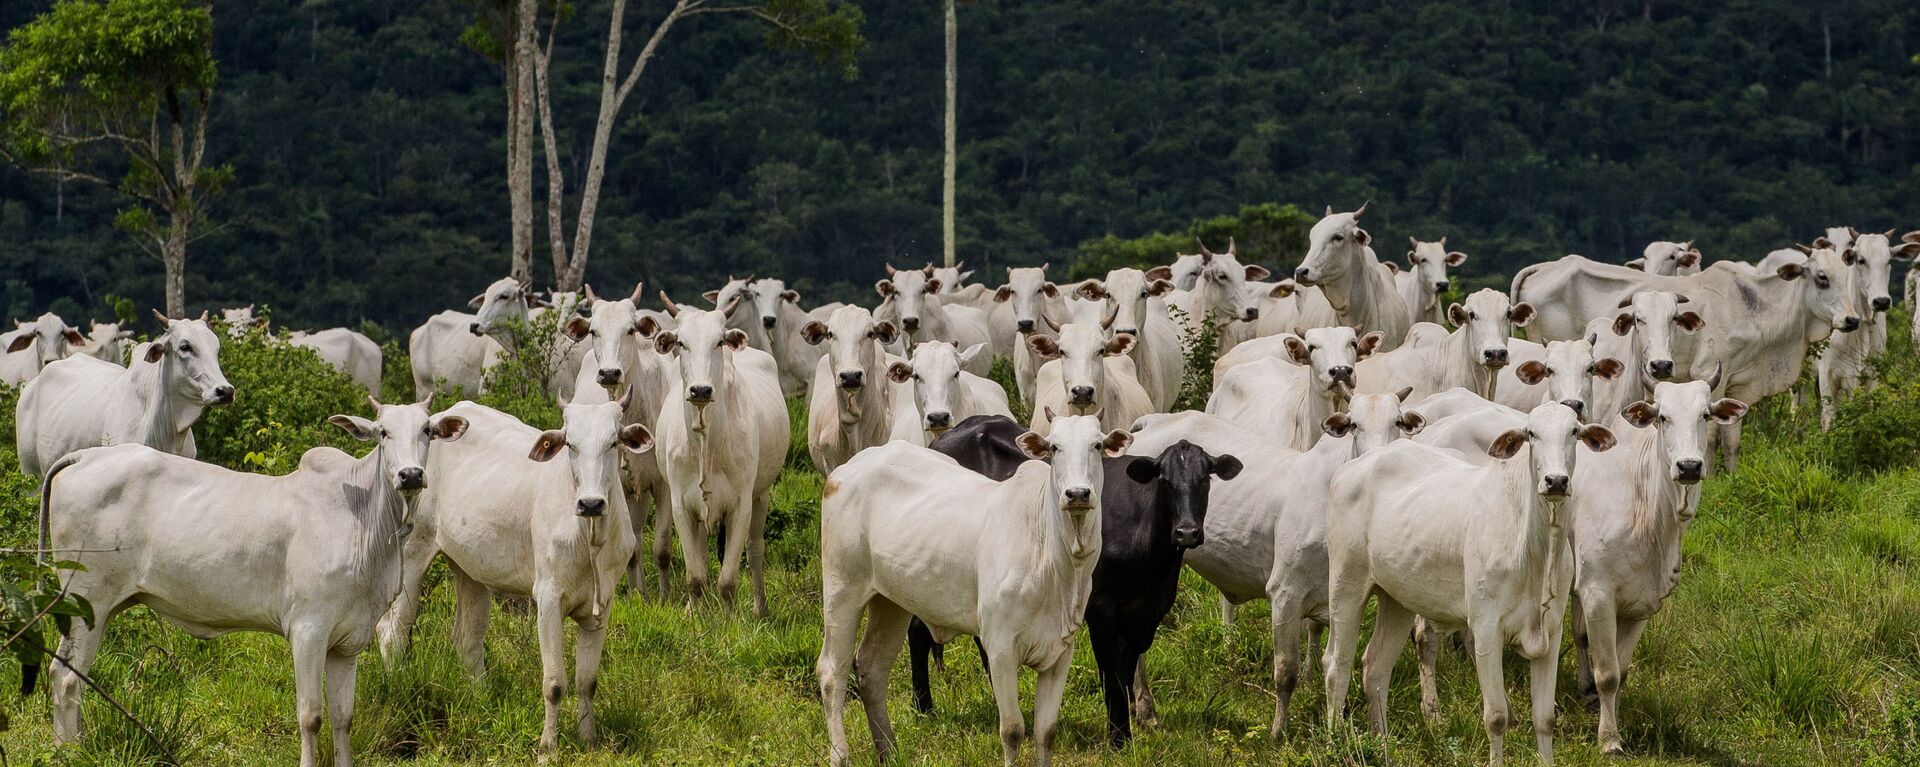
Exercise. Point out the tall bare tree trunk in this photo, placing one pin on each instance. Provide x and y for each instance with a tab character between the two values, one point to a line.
520	157
947	180
173	254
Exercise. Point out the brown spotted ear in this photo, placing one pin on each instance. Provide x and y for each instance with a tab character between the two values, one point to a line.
1393	268
1641	413
884	288
1044	346
1455	258
932	288
1689	258
1411	423
1166	272
1607	368
1280	289
1092	290
884	332
1360	236
1255	273
664	341
74	337
1368	344
1119	344
1623	324
21	342
1403	394
814	332
1050	289
1913	236
547	446
791	296
900	372
1521	313
1727	410
1297	350
1908	249
735	339
1337	425
1689	321
1531	372
646	326
1507	444
635	438
1162	287
1822	242
1458	315
1116	442
1035	446
577	328
447	428
1002	294
1598	438
155	350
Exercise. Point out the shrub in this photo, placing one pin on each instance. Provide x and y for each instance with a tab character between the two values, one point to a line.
1896	740
522	382
1876	430
282	397
1201	348
1002	373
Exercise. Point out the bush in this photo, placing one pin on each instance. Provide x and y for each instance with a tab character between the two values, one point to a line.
1201	348
282	396
522	382
1876	430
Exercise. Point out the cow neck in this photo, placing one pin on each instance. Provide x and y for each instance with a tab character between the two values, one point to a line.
170	415
1054	553
1458	347
1541	533
1660	505
380	514
1357	286
1313	407
704	421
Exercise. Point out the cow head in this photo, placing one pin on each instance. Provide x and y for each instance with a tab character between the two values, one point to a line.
612	331
238	320
731	296
1074	446
768	294
1028	291
1874	274
1828	294
108	341
1375	420
1129	290
589	433
1331	353
702	346
48	335
1226	279
1184	472
855	345
1668	259
937	388
1183	272
1568	371
188	355
1552	431
1082	349
1428	261
505	301
1488	319
1333	247
1653	316
402	434
951	278
906	297
1682	412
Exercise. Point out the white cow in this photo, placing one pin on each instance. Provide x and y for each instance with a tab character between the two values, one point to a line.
1842	367
507	304
82	402
781	319
1433	360
954	289
729	300
34	345
1023	304
446	348
933	393
1087	373
848	409
1670	259
1184	270
722	439
317	561
1351	278
906	531
1219	295
347	351
911	301
1464	545
108	341
1558	371
1288	399
1141	312
512	520
1426	278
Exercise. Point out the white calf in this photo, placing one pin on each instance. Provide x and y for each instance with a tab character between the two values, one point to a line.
1087	373
933	394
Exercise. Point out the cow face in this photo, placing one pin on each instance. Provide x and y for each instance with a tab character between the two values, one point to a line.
1488	320
189	358
1873	276
588	435
1332	247
108	341
1082	349
1075	445
1331	353
909	292
402	433
1227	279
1668	259
49	336
731	296
612	332
1428	261
951	278
1374	420
1682	412
239	320
702	347
937	389
1568	372
1829	291
854	344
1185	472
505	301
1028	291
1653	317
768	294
1551	433
1129	290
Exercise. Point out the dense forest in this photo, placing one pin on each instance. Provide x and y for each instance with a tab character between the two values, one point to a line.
368	142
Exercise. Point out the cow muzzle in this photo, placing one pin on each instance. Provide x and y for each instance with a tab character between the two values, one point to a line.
1077	499
1660	369
609	376
1024	326
474	328
938	422
1882	303
1493	358
1340	375
1251	314
1578	407
590	507
1848	325
1303	275
1188	537
853	380
1081	396
700	395
413	479
1440	286
1688	471
768	322
1556	485
911	324
222	395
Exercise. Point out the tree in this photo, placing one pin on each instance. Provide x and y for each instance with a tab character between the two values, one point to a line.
948	169
92	85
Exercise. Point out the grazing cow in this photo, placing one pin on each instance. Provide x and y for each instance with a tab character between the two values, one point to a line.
318	561
1464	545
932	393
1287	399
34	345
1156	353
1024	303
1633	506
722	439
1842	366
1433	360
445	348
1668	259
781	319
906	531
1558	371
1087	372
848	408
81	402
107	341
1426	278
1360	290
911	301
347	351
1219	295
556	531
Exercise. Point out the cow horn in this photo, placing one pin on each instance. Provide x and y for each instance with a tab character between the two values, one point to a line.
156	315
1203	247
1647	380
1681	298
588	289
625	397
1051	325
375	403
1889	233
928	268
890	270
428	402
1113	313
1713	381
1329	211
673	309
1230	245
1362	210
203	315
1625	302
639	289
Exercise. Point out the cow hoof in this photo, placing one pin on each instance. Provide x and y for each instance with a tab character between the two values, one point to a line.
1614	750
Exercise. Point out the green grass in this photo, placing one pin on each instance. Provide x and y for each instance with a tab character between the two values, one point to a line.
1793	638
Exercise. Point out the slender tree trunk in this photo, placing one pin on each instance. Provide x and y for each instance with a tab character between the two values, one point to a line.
520	161
947	180
173	253
556	182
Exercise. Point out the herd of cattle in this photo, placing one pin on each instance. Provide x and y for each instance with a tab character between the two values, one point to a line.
1353	447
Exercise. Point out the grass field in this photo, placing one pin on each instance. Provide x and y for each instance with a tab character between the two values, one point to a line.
1793	638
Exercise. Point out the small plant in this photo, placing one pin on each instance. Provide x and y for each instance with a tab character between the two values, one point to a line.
283	395
1896	740
1002	373
1200	345
522	383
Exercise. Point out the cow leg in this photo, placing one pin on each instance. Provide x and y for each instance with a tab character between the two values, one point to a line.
1049	688
1347	600
734	547
1142	694
1392	625
395	629
1287	628
886	630
79	648
663	527
841	605
920	644
1730	447
553	662
1582	654
472	610
693	545
1544	672
1426	647
1006	698
1109	653
757	555
1226	610
1493	691
1825	382
588	644
1602	625
637	516
309	684
341	676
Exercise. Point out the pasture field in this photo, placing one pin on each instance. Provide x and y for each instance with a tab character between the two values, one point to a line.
1792	639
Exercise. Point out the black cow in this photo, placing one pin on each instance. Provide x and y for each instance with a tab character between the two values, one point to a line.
1152	509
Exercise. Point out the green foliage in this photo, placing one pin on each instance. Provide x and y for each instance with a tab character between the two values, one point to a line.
1898	735
1199	348
522	382
283	395
1002	373
829	30
1264	233
1878	429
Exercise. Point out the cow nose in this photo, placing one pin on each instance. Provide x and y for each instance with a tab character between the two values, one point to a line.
413	478
1439	286
1025	326
474	328
700	393
1082	395
1661	369
222	394
852	379
1577	406
910	323
767	322
1341	373
609	376
1129	331
1688	469
1494	357
1882	303
1188	537
591	507
1253	314
1301	275
1080	495
1557	484
1849	324
939	420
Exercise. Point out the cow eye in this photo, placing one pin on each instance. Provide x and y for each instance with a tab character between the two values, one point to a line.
186	348
383	432
594	333
1339	237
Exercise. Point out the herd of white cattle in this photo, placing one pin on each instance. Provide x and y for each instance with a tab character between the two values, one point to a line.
1466	480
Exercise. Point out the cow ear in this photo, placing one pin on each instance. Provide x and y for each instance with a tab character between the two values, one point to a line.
1458	315
900	372
21	342
1638	263
1521	313
577	328
1403	394
967	355
1116	442
1908	249
1368	344
1822	242
1297	350
1791	271
1120	344
1256	273
735	339
646	326
1507	444
712	296
964	275
548	445
1727	410
1361	237
884	332
1162	287
1607	368
74	337
1411	423
1597	438
1641	413
1226	467
1092	290
1035	446
1002	294
476	301
1456	258
884	288
1412	258
814	332
933	287
635	438
1337	425
664	341
356	427
155	350
1280	289
1393	268
1143	470
1849	257
1623	324
1160	273
1044	346
1689	258
1689	321
447	428
1531	372
536	301
1052	290
791	296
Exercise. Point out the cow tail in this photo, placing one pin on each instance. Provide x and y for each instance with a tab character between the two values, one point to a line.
46	503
